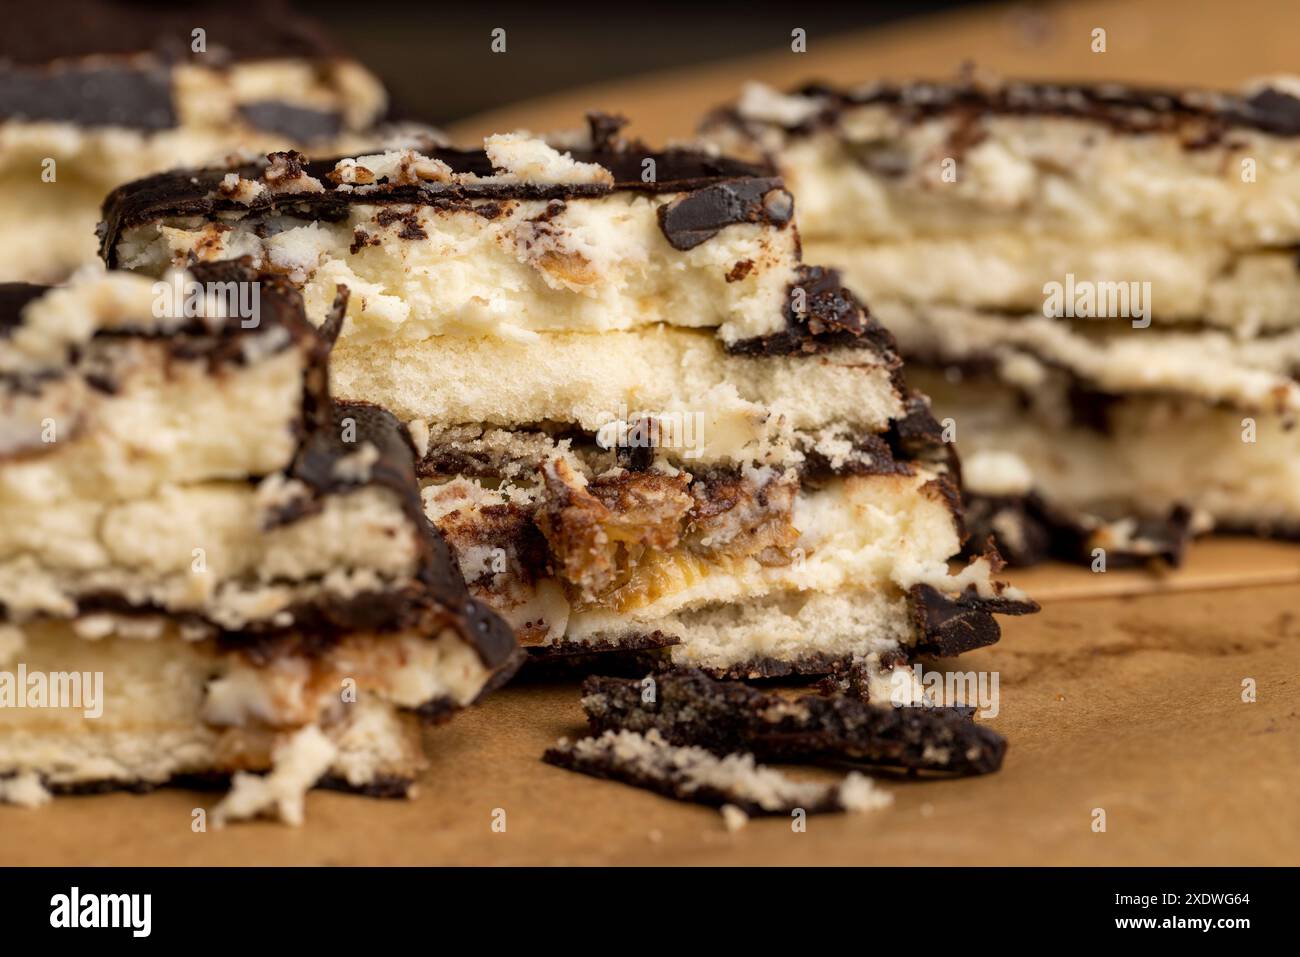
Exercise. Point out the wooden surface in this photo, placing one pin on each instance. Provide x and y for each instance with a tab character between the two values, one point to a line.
1131	705
1156	41
1124	694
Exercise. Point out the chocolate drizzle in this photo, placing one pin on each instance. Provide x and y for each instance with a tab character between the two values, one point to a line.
1198	117
735	192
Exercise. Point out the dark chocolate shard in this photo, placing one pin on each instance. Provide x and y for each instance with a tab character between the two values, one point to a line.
690	708
687	773
298	123
947	626
701	215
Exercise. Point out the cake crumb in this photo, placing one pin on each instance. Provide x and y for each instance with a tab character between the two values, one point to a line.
734	818
24	790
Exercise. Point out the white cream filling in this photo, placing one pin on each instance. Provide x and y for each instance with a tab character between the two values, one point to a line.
600	265
1040	175
1213	366
203	549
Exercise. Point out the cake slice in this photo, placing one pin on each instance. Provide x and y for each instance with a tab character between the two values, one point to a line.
94	93
1096	284
207	568
642	421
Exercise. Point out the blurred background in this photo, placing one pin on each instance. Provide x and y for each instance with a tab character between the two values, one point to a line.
664	63
437	58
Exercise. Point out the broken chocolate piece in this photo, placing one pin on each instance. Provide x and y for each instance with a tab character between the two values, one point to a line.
693	774
690	708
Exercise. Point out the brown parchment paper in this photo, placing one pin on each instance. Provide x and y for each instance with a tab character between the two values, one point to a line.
1130	703
1125	694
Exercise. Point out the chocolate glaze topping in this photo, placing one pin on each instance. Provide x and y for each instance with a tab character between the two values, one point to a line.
1125	108
736	195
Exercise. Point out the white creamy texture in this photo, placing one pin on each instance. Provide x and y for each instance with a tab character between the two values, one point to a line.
1161	451
1041	175
201	548
598	265
206	97
856	623
1246	292
527	159
156	708
170	421
67	317
1211	365
166	419
996	473
297	764
766	105
751	407
24	790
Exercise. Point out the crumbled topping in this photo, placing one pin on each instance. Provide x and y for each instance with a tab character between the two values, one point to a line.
765	105
286	174
356	466
527	159
405	167
239	190
298	764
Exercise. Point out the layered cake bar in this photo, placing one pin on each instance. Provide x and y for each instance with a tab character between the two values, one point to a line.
94	93
237	572
1096	284
642	422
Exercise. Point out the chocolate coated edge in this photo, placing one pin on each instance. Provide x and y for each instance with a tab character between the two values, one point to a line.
1125	108
194	192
